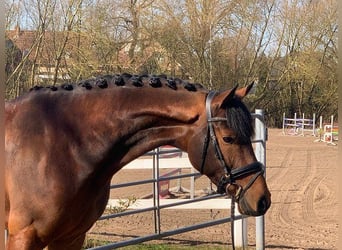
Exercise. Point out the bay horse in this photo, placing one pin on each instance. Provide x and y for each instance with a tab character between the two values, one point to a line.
64	143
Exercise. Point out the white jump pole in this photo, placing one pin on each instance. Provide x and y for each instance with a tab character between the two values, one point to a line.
295	124
331	130
314	124
308	124
303	122
320	130
284	123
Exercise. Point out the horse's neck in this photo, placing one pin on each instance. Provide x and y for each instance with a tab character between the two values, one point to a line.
125	124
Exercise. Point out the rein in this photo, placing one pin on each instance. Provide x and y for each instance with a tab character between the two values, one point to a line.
228	180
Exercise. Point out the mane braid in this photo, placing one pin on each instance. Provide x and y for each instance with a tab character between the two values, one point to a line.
239	119
126	79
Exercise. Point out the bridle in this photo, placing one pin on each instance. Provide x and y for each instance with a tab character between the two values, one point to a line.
230	175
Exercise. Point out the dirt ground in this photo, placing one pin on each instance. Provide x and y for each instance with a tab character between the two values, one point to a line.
301	175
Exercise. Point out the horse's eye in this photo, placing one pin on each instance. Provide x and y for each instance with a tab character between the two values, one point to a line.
228	139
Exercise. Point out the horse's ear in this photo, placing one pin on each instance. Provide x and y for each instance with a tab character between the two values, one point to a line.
241	93
224	97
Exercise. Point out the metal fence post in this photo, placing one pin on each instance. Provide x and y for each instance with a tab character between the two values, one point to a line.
260	153
156	192
240	231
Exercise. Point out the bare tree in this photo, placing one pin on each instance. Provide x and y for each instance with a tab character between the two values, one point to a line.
287	47
44	13
299	78
62	31
189	34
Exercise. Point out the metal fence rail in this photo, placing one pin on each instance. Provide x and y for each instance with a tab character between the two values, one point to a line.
241	221
166	233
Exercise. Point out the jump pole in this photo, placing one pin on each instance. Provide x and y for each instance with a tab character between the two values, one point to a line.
284	123
320	130
314	124
292	122
303	126
308	124
331	129
331	132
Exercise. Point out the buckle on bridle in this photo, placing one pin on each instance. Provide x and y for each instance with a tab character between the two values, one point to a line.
237	191
229	186
222	184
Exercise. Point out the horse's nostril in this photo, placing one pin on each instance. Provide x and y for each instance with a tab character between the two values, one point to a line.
262	205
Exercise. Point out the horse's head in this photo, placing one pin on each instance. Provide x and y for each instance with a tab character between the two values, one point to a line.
221	148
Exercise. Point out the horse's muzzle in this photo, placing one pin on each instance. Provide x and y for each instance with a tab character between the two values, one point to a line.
261	206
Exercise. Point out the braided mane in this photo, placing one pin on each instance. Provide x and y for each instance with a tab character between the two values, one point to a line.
125	79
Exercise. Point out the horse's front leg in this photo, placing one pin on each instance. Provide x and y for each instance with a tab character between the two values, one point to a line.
75	244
